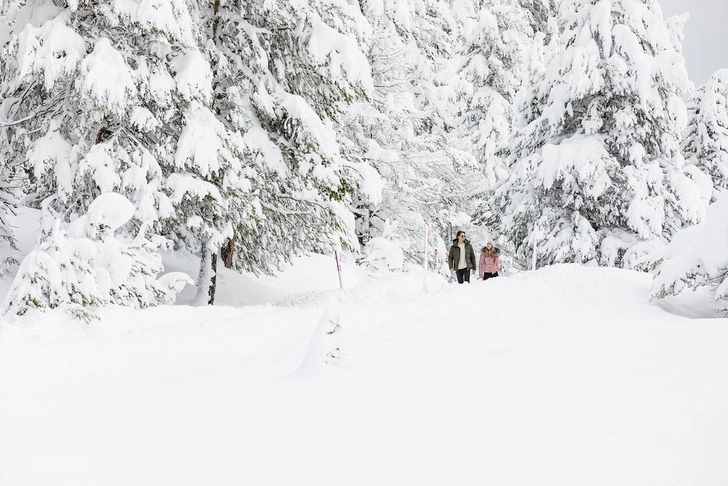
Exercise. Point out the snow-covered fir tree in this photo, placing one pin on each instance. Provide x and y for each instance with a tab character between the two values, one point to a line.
83	265
284	72
408	131
216	120
10	178
539	14
698	257
596	170
706	139
497	37
115	98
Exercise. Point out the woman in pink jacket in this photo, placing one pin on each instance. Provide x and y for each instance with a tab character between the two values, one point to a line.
489	263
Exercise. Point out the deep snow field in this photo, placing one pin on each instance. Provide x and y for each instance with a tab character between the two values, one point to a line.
563	376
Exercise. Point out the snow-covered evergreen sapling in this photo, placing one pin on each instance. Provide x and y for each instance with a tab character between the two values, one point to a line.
706	140
84	265
327	345
698	257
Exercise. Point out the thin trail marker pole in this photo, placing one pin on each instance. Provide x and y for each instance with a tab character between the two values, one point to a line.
427	251
338	268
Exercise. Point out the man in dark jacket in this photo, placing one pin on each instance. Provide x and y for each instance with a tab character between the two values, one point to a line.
461	258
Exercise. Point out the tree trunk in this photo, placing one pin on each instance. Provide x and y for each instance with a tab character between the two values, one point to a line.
213	280
216	22
207	279
228	251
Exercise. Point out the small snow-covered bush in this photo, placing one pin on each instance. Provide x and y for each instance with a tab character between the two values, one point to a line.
85	265
385	252
698	257
8	265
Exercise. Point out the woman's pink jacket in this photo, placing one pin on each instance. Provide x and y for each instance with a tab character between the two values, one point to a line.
488	264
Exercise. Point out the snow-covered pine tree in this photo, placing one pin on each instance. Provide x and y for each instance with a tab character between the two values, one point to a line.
73	97
706	140
10	182
10	179
83	265
408	131
596	169
496	45
539	14
284	73
115	97
698	257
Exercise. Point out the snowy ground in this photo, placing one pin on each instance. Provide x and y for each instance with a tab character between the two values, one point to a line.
564	376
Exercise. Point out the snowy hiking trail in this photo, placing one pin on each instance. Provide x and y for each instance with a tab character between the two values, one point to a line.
557	377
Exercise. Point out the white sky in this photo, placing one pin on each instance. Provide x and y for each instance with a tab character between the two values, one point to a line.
706	35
